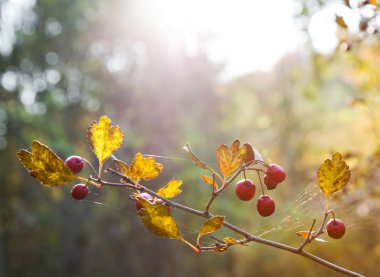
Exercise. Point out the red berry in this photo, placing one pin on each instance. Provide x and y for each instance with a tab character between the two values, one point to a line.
75	163
146	196
245	189
276	173
335	228
79	191
269	183
265	205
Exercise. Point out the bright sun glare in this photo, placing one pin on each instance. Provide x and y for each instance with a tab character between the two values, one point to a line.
248	35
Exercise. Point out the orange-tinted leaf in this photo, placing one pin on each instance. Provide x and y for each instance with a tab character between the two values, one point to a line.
210	181
221	248
230	159
333	174
141	168
230	240
194	158
305	234
171	189
104	138
210	226
340	21
45	165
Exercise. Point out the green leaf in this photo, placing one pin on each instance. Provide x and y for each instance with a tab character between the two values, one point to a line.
45	165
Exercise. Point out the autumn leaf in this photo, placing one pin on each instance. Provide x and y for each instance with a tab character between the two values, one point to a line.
333	174
157	219
171	189
45	165
195	159
250	154
104	139
340	21
231	158
230	240
305	235
140	168
210	226
210	181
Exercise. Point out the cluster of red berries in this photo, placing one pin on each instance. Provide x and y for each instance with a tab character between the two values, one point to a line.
76	164
245	189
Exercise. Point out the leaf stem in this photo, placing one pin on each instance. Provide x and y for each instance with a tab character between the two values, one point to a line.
90	165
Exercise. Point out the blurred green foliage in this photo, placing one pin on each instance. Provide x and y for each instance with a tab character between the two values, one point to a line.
69	64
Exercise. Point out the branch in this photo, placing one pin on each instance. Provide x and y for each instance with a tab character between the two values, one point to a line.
248	237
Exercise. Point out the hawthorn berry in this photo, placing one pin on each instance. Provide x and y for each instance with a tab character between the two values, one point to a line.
276	173
265	205
335	228
75	163
79	191
146	196
245	189
270	183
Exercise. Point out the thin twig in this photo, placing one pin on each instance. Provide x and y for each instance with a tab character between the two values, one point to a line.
248	237
307	240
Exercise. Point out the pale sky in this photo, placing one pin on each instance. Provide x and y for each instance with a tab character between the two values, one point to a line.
250	35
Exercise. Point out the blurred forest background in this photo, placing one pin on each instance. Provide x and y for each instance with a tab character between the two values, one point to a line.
65	63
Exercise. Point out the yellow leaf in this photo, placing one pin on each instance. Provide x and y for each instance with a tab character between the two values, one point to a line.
230	159
122	167
194	158
230	240
171	189
210	181
333	174
45	165
158	220
210	226
104	139
373	2
141	168
340	21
